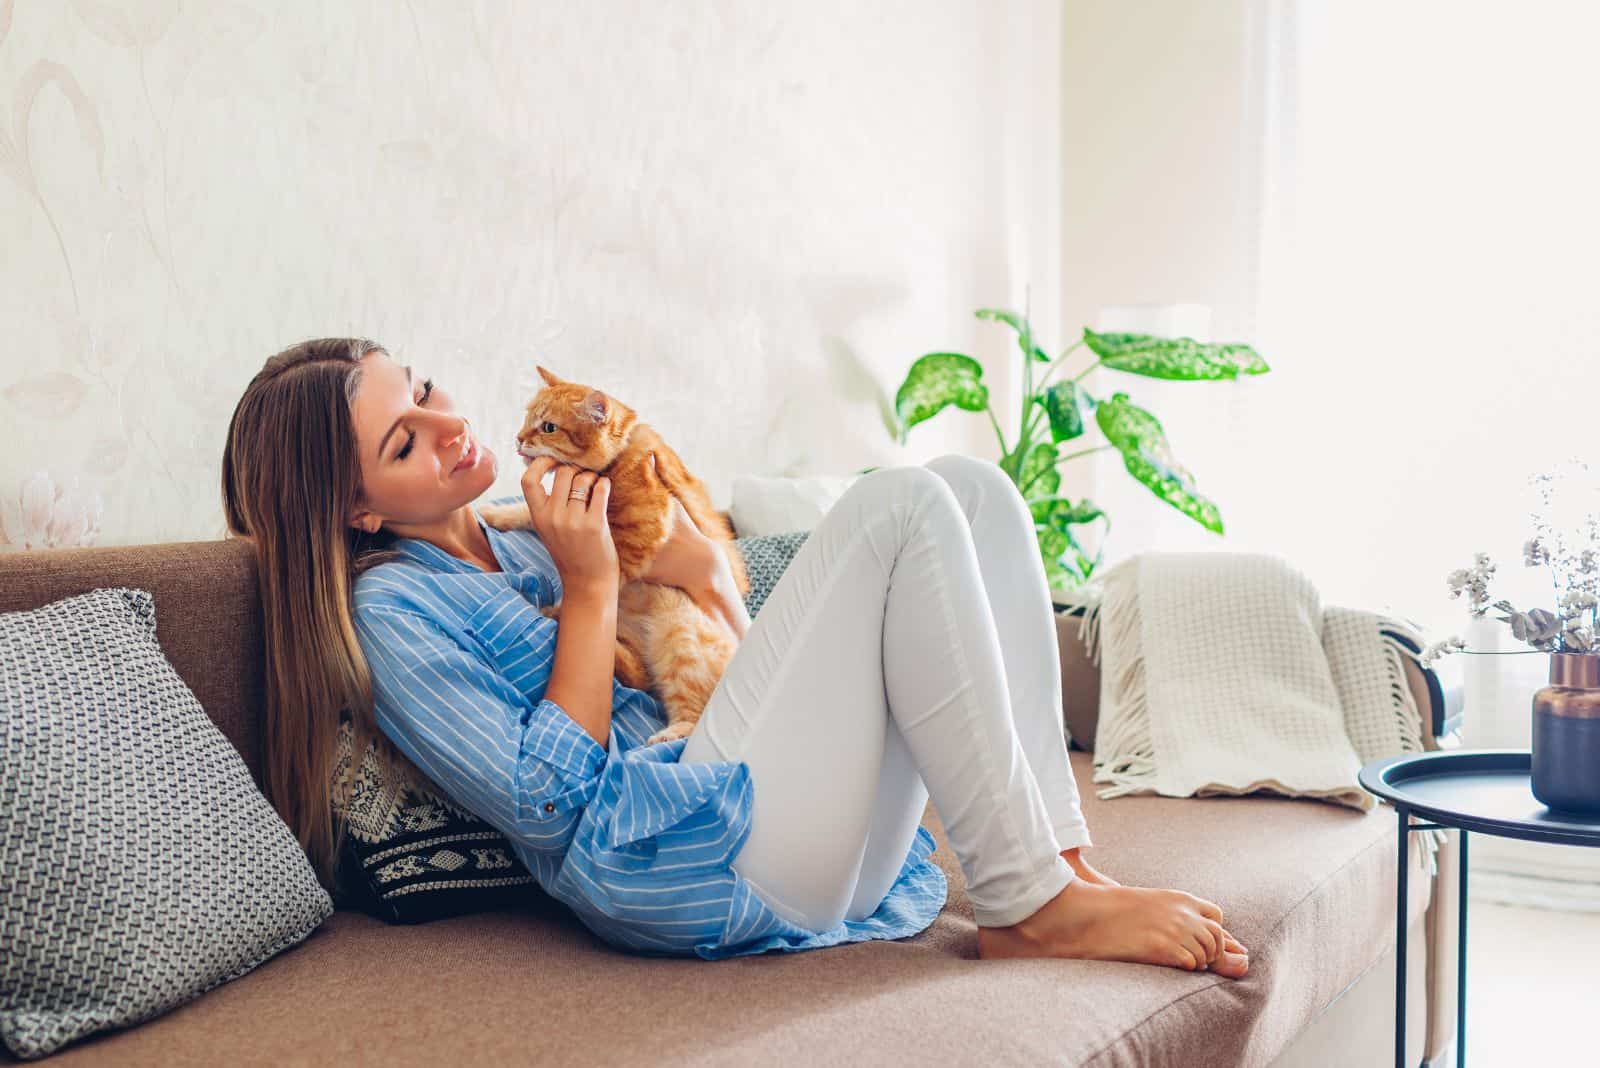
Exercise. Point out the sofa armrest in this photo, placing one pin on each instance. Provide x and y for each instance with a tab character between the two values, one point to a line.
1080	680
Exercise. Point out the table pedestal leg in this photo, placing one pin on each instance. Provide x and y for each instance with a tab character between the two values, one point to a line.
1400	942
1461	961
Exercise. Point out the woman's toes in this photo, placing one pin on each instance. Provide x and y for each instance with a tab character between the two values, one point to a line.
1231	964
1234	960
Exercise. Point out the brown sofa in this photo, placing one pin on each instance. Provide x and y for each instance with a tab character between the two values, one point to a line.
1308	886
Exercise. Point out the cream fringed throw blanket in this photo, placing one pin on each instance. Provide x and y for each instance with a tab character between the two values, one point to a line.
1223	674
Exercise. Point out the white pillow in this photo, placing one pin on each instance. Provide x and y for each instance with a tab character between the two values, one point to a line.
778	505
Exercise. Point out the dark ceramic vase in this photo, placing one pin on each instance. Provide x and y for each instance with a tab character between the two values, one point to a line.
1566	735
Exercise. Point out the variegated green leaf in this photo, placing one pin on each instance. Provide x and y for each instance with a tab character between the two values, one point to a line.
1060	402
1175	487
1148	457
1064	519
1052	544
935	381
1023	328
1065	565
1038	476
1064	511
1179	358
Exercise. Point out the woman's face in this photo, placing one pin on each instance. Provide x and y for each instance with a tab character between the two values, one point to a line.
411	444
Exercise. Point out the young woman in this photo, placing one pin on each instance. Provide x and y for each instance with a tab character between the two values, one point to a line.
908	650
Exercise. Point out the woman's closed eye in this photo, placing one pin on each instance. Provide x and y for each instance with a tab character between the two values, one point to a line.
411	435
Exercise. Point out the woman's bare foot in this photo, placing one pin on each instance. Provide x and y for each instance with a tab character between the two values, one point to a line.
1090	920
1086	870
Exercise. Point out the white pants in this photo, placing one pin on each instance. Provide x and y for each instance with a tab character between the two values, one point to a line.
910	647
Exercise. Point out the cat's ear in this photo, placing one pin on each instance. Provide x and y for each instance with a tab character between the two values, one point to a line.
595	405
549	378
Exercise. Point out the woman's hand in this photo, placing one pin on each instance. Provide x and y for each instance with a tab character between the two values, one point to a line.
689	560
576	532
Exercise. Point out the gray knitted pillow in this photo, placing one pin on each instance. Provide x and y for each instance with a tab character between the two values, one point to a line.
141	864
766	558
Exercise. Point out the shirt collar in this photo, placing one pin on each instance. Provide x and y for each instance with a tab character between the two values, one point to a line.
426	552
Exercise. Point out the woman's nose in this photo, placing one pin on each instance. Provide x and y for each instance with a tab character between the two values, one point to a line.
455	434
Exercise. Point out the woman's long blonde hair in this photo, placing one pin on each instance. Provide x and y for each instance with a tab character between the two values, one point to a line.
291	476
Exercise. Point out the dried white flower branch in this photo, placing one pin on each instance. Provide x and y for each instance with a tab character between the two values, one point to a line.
1574	563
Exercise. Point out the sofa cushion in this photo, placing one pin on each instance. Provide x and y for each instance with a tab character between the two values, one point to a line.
780	504
1307	885
141	864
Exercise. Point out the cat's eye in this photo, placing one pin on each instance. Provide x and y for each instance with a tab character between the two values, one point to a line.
548	427
411	435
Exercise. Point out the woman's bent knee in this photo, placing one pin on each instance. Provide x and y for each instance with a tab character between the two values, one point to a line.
963	469
902	485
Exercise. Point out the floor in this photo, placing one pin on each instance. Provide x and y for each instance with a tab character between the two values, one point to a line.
1531	981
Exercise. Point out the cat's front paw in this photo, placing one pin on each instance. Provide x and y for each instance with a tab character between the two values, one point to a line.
671	732
512	516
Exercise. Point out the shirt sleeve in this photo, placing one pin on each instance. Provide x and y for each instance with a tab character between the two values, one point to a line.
526	768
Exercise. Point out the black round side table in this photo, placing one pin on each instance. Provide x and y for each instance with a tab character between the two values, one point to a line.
1482	790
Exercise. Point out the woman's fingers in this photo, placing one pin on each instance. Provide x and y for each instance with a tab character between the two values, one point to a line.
599	495
561	487
583	486
533	481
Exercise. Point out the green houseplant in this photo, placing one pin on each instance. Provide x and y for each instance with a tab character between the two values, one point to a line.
1054	417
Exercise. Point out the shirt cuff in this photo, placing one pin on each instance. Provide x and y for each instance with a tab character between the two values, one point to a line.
555	738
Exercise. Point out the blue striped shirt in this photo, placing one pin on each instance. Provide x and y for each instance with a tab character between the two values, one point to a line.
635	843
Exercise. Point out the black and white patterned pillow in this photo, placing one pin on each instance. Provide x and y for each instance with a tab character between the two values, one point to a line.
411	854
140	865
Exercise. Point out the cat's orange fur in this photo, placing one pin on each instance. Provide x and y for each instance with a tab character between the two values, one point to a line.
666	643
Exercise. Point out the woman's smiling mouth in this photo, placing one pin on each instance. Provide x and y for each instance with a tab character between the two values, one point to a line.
470	459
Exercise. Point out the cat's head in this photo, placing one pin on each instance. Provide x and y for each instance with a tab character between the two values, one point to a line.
574	423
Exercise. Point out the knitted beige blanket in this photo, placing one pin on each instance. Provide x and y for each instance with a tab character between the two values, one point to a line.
1224	674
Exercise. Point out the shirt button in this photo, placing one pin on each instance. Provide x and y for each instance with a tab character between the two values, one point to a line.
549	806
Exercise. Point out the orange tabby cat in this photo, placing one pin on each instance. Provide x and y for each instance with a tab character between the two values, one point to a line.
665	642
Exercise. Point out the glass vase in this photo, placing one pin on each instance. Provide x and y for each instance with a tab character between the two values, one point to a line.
1497	674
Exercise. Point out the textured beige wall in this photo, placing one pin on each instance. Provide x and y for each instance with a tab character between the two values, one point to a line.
745	220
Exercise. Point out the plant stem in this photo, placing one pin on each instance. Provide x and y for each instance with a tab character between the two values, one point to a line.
1055	363
1023	489
1086	370
1025	486
1033	416
989	408
1025	431
1084	452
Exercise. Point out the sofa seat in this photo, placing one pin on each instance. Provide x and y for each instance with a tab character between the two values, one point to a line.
1307	885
